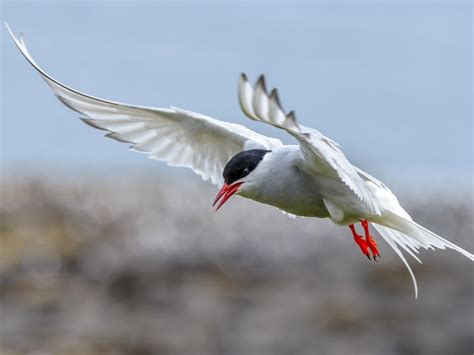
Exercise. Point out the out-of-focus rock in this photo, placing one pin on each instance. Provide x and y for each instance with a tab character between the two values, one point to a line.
133	265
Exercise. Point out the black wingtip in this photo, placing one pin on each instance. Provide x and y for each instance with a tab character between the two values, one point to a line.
65	102
275	98
116	137
261	82
92	123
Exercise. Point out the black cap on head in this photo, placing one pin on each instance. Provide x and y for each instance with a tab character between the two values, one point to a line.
241	164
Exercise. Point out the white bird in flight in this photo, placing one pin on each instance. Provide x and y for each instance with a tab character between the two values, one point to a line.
311	179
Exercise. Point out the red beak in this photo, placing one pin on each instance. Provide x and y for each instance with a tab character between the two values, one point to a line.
226	192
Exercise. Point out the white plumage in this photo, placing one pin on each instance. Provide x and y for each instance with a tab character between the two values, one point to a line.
313	178
178	137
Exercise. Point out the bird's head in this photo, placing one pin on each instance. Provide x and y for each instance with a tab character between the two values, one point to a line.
238	171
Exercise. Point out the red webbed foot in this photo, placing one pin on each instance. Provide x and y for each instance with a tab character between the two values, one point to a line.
370	240
360	242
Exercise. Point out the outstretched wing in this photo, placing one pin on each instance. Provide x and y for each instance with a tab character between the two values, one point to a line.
321	154
176	136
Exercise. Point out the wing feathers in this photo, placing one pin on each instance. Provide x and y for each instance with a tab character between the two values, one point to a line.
322	155
260	99
179	137
245	97
116	137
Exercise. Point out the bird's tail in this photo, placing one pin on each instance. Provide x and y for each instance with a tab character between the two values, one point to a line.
403	233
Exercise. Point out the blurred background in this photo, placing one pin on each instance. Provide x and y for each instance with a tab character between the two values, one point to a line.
103	251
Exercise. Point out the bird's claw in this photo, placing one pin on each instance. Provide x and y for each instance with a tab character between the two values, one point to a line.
367	244
364	247
372	245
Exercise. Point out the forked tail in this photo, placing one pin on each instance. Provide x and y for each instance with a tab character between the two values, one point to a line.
402	233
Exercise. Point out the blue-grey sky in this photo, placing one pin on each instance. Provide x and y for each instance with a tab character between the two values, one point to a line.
390	81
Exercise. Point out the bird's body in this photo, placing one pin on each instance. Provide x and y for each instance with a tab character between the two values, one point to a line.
311	179
282	181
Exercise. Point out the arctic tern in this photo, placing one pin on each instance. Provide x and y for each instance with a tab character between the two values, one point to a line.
311	179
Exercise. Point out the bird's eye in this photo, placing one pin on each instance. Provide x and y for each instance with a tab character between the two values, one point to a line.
246	171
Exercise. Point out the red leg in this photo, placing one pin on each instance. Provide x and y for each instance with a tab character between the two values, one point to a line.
370	240
360	241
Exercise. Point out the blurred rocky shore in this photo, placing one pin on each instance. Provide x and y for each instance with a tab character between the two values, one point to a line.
137	265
